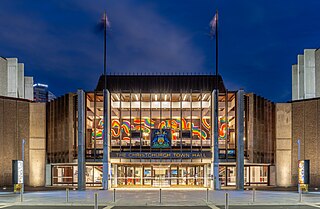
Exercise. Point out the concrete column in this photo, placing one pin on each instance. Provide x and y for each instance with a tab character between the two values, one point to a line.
295	87
28	87
301	76
115	167
81	141
20	79
205	171
283	161
37	144
106	140
12	77
239	137
3	77
215	184
309	73
317	72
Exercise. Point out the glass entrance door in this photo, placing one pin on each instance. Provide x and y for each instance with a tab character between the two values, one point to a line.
161	176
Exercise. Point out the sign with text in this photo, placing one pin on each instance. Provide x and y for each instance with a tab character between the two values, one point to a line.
162	155
17	171
303	171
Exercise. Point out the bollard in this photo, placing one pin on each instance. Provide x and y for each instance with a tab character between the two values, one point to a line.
253	194
227	201
160	196
207	194
95	200
300	195
114	195
21	195
67	195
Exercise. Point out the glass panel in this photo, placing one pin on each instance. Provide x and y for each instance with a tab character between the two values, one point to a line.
115	120
125	119
130	175
205	119
231	176
222	175
135	131
147	175
186	120
62	175
121	175
146	122
196	117
175	123
231	121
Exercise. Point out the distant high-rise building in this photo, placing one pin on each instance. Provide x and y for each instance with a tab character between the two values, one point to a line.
13	83
306	75
41	93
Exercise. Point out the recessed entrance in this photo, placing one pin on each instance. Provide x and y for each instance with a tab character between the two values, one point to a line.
168	175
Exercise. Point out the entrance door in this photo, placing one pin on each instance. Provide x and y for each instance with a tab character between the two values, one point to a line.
222	175
161	176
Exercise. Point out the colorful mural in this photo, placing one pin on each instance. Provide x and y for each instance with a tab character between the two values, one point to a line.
222	128
147	124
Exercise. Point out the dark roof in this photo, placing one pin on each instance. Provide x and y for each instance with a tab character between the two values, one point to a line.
160	83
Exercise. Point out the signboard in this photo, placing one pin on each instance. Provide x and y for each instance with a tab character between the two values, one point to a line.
17	175
161	155
160	138
20	172
303	171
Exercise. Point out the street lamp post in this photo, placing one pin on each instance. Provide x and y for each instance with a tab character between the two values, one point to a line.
22	158
299	158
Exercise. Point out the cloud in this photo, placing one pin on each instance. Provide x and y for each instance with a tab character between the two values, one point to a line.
142	40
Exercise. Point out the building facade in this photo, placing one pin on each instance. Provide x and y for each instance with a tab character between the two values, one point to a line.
306	75
13	82
42	93
161	134
21	119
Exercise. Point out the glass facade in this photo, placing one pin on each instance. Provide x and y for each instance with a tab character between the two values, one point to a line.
160	140
160	133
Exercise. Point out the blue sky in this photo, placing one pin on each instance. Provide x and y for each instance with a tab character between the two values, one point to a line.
258	40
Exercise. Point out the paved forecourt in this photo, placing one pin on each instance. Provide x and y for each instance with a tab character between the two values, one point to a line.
169	197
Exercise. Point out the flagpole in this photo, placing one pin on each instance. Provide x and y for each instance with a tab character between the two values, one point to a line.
105	169
216	116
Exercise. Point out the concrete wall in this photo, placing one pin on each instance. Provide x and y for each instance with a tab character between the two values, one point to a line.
3	77
283	144
20	80
37	144
309	73
28	88
261	129
60	129
12	77
20	119
306	127
14	126
301	76
295	83
317	72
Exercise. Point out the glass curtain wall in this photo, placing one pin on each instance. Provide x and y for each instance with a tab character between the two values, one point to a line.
227	126
187	116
